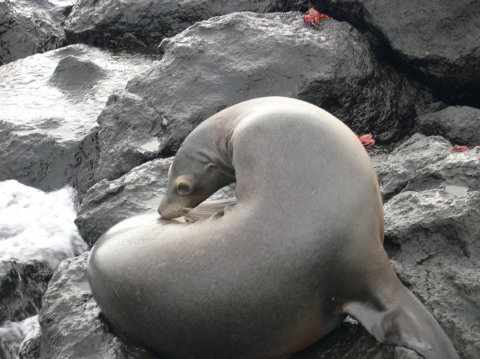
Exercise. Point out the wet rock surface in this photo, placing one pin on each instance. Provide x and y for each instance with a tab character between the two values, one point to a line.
143	24
22	286
84	334
139	191
435	41
100	120
334	68
27	27
50	103
458	124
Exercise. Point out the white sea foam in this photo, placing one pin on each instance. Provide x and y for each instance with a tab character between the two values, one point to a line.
37	225
14	334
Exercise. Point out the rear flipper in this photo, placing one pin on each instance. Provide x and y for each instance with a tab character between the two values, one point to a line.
400	318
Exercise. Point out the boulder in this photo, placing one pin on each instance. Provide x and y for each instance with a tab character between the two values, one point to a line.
143	24
458	124
228	59
22	286
139	191
435	41
433	235
72	326
27	27
50	104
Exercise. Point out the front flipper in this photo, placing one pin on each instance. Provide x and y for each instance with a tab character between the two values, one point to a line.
399	318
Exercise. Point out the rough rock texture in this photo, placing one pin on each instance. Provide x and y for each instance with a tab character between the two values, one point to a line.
143	24
50	103
436	41
140	190
71	327
27	28
30	348
12	336
207	68
434	236
396	168
22	286
432	230
459	124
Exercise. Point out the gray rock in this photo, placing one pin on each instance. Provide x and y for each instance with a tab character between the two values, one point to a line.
71	323
30	348
12	336
128	136
50	103
459	124
397	168
436	41
143	24
27	28
22	286
433	237
228	59
139	191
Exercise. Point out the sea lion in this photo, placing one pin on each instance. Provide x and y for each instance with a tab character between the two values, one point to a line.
301	248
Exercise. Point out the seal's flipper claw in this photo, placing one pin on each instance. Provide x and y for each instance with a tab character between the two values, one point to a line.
399	318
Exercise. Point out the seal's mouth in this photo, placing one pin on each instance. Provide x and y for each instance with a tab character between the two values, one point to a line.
172	212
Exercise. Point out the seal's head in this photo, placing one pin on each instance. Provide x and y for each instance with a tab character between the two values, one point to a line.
192	178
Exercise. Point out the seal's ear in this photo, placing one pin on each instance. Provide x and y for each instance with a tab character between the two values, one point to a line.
211	167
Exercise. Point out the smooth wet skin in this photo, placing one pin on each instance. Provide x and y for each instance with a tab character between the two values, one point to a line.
301	248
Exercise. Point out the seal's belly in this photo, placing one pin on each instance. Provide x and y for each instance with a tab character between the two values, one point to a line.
190	299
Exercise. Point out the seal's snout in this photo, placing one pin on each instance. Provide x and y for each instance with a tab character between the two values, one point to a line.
168	211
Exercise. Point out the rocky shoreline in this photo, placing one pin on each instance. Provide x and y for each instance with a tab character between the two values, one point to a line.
98	95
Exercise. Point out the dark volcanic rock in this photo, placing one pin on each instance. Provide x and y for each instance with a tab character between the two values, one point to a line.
50	103
434	237
128	136
459	124
12	336
21	287
28	27
437	40
142	24
70	322
432	227
30	348
72	74
140	190
422	162
228	59
397	168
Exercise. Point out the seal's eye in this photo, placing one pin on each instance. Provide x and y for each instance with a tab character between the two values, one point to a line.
184	188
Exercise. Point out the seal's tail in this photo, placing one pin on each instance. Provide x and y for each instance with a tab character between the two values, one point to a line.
399	318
